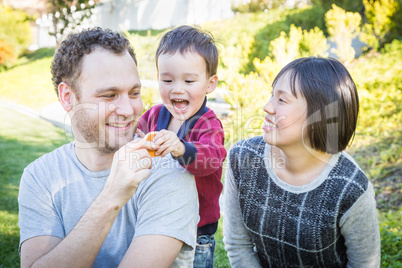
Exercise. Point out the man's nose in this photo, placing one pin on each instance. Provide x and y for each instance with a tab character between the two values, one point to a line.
124	106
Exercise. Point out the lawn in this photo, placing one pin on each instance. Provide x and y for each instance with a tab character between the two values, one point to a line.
22	140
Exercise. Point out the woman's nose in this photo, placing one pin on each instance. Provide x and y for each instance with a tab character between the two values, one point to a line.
269	107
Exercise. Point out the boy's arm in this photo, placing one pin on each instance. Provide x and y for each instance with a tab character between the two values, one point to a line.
206	155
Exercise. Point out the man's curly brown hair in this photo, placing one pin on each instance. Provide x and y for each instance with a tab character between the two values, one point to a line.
67	62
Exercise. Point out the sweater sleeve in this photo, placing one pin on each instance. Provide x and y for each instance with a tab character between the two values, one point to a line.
237	240
359	227
206	154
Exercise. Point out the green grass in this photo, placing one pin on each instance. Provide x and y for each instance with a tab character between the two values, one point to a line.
22	140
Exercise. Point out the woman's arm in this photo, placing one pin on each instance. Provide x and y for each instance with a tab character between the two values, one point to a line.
359	227
238	243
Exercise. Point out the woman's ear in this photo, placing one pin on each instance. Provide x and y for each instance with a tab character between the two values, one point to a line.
65	96
213	82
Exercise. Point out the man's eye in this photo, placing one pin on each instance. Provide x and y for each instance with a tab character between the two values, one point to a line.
110	96
135	94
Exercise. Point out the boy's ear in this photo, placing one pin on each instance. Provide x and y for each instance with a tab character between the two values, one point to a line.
213	82
65	96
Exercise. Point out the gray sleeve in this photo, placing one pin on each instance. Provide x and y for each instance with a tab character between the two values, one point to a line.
168	205
37	214
359	227
238	243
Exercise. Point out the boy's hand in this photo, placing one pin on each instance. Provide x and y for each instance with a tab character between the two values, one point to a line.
168	142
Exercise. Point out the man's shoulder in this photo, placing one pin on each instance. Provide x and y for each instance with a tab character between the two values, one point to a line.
53	158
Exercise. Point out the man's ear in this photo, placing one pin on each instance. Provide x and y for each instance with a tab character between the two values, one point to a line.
65	96
213	82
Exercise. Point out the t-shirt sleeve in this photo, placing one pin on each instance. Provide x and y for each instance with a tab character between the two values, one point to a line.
238	242
37	215
359	227
168	205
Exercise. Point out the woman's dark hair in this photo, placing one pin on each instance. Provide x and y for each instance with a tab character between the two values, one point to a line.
190	39
67	62
332	101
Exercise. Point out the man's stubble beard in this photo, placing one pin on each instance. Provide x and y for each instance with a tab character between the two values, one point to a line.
94	132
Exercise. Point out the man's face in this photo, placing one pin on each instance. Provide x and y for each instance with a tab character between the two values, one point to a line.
109	107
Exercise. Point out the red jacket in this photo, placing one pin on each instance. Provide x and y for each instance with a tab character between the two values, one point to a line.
203	138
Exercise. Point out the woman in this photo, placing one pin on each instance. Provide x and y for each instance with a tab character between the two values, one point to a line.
294	197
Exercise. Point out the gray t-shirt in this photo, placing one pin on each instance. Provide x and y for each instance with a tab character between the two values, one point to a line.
56	190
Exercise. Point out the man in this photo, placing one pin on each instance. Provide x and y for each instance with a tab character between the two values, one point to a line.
83	204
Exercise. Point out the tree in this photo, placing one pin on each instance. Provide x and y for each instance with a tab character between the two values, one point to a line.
379	17
67	15
342	27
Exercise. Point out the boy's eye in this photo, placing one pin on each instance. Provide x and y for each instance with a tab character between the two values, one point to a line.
167	81
189	81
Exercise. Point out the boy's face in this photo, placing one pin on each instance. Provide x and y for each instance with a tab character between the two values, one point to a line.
183	83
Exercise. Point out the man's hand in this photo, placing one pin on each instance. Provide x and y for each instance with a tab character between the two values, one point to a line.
131	164
168	142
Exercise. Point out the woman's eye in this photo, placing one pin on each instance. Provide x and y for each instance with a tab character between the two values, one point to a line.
281	100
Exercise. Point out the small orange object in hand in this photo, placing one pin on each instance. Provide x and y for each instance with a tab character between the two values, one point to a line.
150	137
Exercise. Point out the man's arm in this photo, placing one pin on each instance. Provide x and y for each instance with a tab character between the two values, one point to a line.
152	251
166	218
81	246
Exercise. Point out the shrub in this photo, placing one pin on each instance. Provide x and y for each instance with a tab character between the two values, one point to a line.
308	18
342	27
6	54
391	238
14	29
257	5
379	24
287	47
348	5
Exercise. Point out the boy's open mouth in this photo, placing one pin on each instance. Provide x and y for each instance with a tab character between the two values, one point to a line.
180	104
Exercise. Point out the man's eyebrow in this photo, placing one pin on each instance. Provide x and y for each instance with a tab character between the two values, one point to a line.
115	89
185	74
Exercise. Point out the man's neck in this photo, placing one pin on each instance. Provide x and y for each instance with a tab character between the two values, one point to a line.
93	159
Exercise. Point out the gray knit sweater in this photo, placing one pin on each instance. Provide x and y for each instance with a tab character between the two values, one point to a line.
330	222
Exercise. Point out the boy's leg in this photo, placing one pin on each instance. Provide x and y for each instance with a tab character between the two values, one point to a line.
204	252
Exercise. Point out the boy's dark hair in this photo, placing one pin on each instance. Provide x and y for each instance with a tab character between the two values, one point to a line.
332	101
190	39
67	62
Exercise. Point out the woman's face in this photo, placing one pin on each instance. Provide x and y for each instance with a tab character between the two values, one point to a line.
284	122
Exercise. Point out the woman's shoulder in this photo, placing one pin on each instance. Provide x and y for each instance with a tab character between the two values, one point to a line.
248	147
349	173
